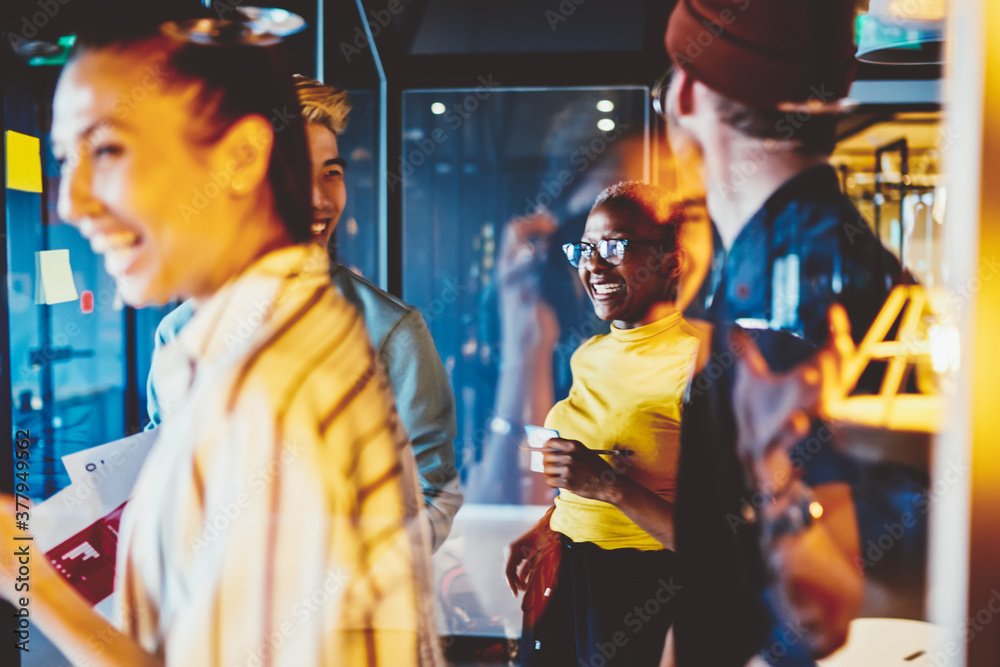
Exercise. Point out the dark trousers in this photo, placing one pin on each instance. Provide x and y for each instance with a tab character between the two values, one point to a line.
592	607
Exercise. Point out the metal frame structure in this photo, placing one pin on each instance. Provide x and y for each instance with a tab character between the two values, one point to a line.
903	148
397	71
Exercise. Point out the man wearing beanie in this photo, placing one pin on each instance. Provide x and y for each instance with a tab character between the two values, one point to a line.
755	88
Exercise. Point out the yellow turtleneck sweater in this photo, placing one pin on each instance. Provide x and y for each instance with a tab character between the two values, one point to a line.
627	391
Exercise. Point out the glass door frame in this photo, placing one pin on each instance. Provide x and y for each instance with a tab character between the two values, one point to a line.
9	654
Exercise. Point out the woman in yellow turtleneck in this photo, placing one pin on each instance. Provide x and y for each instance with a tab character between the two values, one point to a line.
598	568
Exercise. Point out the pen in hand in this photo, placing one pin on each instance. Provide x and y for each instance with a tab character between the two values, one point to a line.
542	450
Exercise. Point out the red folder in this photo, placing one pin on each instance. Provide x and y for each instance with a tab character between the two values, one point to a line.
87	560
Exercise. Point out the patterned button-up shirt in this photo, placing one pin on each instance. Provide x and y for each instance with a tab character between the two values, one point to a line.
275	521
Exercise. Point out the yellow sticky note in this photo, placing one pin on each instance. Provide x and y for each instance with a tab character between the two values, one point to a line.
24	162
54	277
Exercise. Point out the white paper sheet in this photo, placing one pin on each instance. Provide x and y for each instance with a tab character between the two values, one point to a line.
102	479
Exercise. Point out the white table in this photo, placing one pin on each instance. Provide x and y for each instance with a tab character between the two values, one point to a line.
886	642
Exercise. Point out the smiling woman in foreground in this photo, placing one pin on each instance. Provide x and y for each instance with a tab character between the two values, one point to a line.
602	557
291	423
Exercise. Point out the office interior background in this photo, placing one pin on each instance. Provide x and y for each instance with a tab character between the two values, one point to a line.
467	115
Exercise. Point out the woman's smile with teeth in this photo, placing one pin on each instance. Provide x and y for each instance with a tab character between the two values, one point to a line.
608	288
103	243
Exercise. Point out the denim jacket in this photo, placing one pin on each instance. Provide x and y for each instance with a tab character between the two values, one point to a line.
804	250
420	385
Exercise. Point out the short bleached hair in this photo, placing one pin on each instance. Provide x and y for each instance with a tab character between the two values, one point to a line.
651	204
322	104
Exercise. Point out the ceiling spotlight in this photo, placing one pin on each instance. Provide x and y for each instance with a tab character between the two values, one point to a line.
605	106
37	49
273	20
438	108
212	32
605	125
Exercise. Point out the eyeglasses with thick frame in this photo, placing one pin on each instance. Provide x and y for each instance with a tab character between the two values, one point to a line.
610	250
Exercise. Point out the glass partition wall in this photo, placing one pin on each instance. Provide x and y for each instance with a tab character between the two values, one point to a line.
494	181
358	235
77	376
78	357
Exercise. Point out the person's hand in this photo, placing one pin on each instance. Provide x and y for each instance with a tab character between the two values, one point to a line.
576	468
774	411
667	658
526	551
527	322
816	581
521	238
